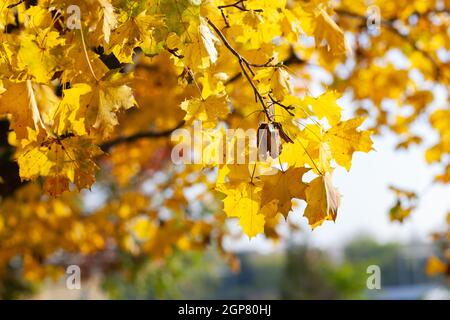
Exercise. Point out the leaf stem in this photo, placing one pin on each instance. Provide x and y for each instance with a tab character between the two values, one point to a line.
86	54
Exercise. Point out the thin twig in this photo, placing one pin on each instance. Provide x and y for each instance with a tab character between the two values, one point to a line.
291	60
239	5
146	134
246	67
174	52
86	53
278	103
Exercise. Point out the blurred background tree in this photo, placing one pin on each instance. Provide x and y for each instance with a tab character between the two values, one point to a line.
147	221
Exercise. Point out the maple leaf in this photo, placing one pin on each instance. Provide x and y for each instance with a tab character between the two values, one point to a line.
37	54
310	147
136	31
63	160
281	83
82	65
275	80
324	106
209	40
282	187
56	185
19	100
243	201
345	139
246	65
233	172
109	18
295	154
102	103
34	162
244	195
326	29
439	119
322	200
68	115
200	50
208	111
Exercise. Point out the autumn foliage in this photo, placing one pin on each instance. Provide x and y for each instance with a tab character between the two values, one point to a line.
92	91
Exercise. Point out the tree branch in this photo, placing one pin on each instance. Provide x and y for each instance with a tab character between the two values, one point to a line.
141	135
291	60
244	64
240	4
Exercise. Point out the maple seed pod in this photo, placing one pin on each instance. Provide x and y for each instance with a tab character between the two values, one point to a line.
281	132
268	141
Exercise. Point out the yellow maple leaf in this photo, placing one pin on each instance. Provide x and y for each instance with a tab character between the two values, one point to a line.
243	201
324	106
62	159
282	187
34	163
326	29
136	31
295	154
67	114
345	139
208	39
36	54
19	100
309	147
322	200
275	80
209	111
281	83
109	18
435	266
101	105
199	44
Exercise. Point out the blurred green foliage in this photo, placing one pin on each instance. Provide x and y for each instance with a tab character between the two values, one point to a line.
311	274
